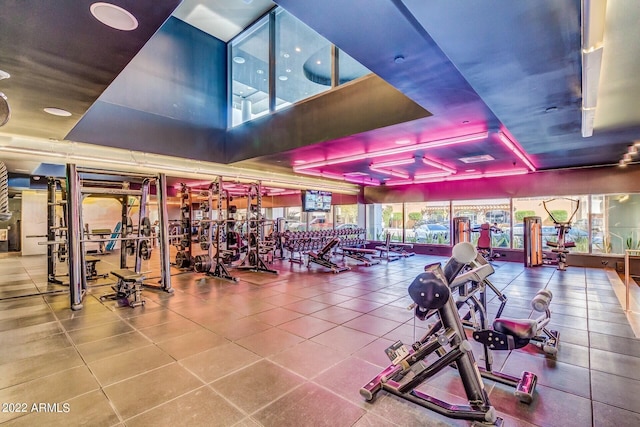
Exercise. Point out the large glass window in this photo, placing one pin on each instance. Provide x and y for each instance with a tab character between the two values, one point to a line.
349	69
614	223
303	61
347	217
559	207
250	73
427	222
383	219
492	211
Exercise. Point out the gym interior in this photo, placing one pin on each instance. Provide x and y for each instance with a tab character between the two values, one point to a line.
257	213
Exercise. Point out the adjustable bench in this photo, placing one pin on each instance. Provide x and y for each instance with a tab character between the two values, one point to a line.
360	254
90	262
392	251
129	283
323	257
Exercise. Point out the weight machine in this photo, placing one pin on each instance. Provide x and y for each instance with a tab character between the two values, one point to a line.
184	255
410	368
561	246
216	254
256	246
75	238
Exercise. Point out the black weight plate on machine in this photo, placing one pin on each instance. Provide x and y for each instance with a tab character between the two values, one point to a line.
145	226
201	264
253	258
128	227
253	240
182	259
130	247
144	250
204	246
62	252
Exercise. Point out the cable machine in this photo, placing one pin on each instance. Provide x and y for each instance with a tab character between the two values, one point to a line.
184	256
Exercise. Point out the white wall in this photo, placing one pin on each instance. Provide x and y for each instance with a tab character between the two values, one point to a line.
34	222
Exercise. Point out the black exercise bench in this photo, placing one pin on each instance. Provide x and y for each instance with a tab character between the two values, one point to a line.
392	251
360	254
129	283
91	271
323	257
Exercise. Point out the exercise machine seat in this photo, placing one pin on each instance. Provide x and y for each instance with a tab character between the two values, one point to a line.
519	328
484	241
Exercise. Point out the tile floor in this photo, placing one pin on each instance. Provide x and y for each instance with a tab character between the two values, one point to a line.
292	350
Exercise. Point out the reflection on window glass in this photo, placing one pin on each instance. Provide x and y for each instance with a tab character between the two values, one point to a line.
303	61
250	73
320	220
614	223
349	69
293	219
427	222
492	211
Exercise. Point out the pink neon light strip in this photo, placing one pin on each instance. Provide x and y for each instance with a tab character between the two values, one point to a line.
391	172
398	150
517	151
427	178
391	163
438	165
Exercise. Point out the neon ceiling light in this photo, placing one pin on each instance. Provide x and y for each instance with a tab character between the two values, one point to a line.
438	165
442	177
383	167
399	150
516	150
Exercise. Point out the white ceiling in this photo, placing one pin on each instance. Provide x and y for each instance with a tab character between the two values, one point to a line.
223	19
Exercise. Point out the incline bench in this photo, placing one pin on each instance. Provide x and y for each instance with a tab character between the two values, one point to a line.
323	257
129	283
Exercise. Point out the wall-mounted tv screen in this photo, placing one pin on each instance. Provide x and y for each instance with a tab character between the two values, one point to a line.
316	201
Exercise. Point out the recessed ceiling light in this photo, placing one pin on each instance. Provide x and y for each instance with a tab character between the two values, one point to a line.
318	62
297	49
57	112
551	109
465	122
283	78
4	75
285	55
288	70
238	59
398	59
259	71
114	16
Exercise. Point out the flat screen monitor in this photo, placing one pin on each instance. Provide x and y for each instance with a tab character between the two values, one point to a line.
316	201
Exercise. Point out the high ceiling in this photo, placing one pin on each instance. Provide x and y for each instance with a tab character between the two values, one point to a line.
494	69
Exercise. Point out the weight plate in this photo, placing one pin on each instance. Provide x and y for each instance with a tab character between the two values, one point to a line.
182	259
144	249
129	227
145	226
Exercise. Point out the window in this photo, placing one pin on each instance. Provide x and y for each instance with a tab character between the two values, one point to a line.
427	222
347	217
383	219
250	73
614	223
303	61
493	211
561	208
349	69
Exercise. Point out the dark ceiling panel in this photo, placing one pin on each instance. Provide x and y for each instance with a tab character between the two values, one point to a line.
60	56
170	99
